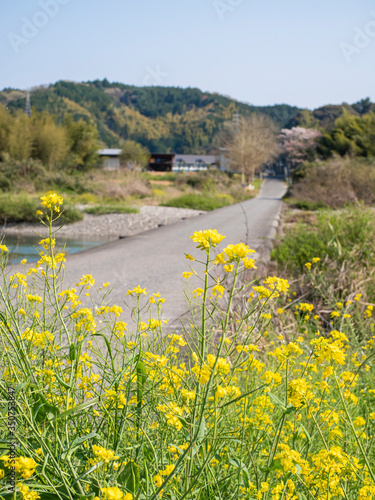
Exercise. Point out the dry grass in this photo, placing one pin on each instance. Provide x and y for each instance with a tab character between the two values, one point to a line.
336	183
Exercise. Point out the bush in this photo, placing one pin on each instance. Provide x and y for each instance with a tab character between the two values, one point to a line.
199	202
18	208
335	183
69	215
110	209
23	207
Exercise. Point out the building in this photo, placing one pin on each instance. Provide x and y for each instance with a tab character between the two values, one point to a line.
172	162
111	158
163	162
194	163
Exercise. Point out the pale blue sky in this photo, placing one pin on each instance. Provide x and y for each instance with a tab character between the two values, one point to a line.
261	52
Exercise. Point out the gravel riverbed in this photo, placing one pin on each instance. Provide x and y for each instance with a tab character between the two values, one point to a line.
110	225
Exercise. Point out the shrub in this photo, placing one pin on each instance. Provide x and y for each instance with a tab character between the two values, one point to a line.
110	209
18	208
335	183
198	202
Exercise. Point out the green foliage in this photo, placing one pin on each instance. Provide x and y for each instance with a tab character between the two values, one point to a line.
199	201
346	235
18	208
71	144
352	135
22	208
69	215
161	118
305	204
110	209
30	175
168	176
83	143
133	154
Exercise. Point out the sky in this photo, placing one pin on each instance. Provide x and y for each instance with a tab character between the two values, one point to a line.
306	53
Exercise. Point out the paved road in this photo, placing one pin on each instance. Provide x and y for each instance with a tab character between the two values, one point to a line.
155	259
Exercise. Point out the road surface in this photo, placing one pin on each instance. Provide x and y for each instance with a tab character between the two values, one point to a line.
156	259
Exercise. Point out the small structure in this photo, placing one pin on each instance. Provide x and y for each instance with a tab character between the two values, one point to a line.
111	158
161	162
194	163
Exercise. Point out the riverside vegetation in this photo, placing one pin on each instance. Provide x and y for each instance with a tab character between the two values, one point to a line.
99	192
270	399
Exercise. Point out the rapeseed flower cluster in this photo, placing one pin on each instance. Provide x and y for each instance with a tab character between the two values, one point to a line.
246	403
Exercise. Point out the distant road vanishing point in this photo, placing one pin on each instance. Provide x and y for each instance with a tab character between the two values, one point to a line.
155	260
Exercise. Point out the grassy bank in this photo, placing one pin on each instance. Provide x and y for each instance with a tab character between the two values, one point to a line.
100	192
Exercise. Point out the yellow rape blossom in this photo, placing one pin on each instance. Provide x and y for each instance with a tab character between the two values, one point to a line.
207	239
52	201
137	291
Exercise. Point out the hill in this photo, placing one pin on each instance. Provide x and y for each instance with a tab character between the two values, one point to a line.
164	119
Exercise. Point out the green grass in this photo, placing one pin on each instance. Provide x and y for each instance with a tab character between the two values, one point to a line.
110	209
160	177
346	235
305	204
199	202
23	207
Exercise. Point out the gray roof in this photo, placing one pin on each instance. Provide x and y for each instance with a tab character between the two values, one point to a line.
109	152
189	159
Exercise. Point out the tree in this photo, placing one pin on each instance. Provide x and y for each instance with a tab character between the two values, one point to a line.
352	135
83	143
134	154
299	143
251	142
50	141
363	106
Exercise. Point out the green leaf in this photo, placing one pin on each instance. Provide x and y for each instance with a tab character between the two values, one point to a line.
77	408
85	497
141	379
82	439
277	401
130	477
42	409
245	471
306	432
64	384
202	430
75	444
275	465
72	352
51	496
290	409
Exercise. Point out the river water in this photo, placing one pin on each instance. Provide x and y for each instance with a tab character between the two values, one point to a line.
26	247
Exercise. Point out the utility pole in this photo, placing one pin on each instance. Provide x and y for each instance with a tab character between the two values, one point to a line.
28	103
236	120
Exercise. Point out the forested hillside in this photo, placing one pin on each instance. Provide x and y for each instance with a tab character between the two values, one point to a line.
164	119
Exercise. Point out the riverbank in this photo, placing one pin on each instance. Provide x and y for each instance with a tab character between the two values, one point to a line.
110	225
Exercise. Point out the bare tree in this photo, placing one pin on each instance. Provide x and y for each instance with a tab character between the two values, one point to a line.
251	141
